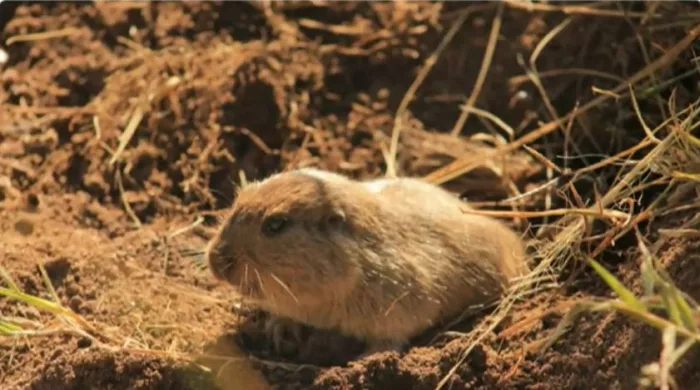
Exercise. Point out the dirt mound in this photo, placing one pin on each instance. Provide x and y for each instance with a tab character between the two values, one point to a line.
126	127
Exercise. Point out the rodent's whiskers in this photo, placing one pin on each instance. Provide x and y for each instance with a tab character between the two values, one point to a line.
284	286
226	268
244	281
257	274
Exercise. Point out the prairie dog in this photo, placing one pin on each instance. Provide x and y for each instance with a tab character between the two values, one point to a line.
381	260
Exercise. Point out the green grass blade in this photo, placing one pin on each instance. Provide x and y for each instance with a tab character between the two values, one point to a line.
31	300
47	282
8	328
649	318
648	278
685	311
625	294
671	307
8	279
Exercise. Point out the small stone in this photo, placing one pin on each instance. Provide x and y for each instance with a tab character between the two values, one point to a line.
75	303
84	342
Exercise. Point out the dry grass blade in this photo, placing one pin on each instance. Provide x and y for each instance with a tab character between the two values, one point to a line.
485	65
422	74
564	324
604	213
646	128
125	202
187	228
128	133
516	81
493	118
467	163
48	284
66	32
495	320
577	9
534	74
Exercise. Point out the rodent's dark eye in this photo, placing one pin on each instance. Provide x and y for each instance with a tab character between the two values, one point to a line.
274	225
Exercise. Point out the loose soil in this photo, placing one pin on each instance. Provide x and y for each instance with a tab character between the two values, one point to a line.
217	91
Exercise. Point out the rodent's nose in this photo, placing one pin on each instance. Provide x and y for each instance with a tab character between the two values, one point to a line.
219	259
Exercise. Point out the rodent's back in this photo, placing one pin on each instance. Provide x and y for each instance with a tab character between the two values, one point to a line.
459	259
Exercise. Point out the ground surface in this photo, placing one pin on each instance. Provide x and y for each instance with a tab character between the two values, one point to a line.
216	89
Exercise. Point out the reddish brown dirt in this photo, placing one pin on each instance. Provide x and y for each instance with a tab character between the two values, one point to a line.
227	88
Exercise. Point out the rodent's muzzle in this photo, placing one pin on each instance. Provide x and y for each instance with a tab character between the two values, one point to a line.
219	258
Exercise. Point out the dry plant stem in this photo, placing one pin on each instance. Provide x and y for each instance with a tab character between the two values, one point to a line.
643	144
607	214
49	285
533	74
351	30
187	228
129	131
125	202
256	140
516	81
565	178
485	65
648	213
652	9
132	45
493	118
645	55
610	160
576	9
422	74
42	35
618	191
287	366
49	110
467	163
543	160
504	306
530	320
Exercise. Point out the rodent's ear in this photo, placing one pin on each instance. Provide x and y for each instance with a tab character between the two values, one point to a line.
336	219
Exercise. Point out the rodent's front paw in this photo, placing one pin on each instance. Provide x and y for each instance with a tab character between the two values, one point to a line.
279	330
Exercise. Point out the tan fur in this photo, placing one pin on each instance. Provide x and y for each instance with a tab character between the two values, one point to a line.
405	258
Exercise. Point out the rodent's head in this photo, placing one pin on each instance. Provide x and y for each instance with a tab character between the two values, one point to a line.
284	240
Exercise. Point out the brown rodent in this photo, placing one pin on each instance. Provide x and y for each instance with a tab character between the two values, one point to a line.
381	260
